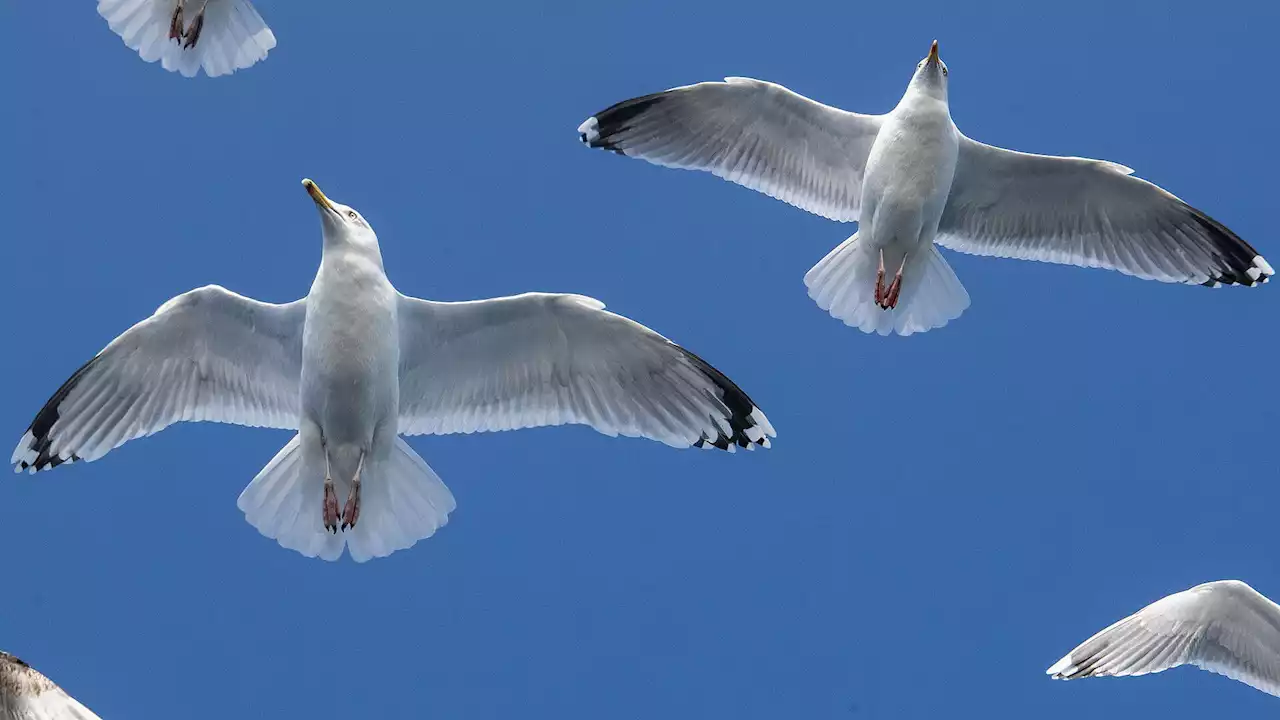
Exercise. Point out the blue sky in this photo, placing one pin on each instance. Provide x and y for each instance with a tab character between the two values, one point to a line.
942	516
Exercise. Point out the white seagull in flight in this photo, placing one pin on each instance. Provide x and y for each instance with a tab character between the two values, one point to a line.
354	364
910	179
221	36
26	694
1224	627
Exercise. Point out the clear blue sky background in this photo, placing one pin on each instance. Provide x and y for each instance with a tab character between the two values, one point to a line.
941	517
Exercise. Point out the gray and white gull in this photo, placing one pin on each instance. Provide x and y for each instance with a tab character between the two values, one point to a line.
187	36
355	364
26	694
1224	627
911	179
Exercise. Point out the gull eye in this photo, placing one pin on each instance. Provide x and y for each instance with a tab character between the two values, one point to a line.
351	214
944	72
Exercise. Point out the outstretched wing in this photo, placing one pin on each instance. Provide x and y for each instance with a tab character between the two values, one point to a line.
548	359
754	133
208	354
1089	213
1225	627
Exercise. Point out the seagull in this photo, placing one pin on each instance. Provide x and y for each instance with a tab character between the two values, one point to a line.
26	694
221	36
911	179
355	364
1224	627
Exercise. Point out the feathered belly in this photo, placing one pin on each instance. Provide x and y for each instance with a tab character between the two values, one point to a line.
350	376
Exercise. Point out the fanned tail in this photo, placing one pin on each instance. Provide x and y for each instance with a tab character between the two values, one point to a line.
402	501
232	36
843	284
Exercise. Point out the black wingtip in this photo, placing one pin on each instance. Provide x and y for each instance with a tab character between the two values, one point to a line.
603	129
1241	263
748	426
40	442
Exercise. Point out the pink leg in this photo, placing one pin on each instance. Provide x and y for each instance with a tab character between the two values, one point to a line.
895	288
880	281
175	23
330	506
351	513
192	34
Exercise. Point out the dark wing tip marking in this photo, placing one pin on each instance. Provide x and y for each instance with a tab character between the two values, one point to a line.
40	442
1242	265
602	130
746	422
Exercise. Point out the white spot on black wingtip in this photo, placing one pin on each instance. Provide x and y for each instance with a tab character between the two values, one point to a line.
747	427
589	131
609	128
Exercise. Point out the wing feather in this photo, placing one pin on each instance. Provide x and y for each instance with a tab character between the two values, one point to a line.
208	354
546	359
750	132
1090	213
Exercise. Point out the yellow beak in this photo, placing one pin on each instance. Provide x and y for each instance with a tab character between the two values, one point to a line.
314	191
933	53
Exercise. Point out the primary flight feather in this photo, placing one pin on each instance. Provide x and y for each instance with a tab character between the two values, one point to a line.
1225	627
911	179
355	364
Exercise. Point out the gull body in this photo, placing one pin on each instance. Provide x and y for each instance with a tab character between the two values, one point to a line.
909	170
354	365
187	36
913	181
1225	627
26	694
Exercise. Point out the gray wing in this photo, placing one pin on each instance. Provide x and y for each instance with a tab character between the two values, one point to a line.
1225	627
26	694
754	133
1090	213
548	359
208	354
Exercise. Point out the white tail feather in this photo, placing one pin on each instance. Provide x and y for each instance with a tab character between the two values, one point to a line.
234	35
402	501
844	282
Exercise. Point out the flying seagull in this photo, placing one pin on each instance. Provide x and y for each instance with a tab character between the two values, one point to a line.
354	364
912	179
1224	627
26	694
221	36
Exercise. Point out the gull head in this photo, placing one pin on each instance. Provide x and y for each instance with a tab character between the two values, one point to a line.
931	75
340	223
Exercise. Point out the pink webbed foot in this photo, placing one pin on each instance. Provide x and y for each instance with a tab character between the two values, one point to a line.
351	513
330	507
175	23
192	34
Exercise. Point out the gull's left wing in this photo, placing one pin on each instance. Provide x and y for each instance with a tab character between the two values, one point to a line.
549	359
1090	213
